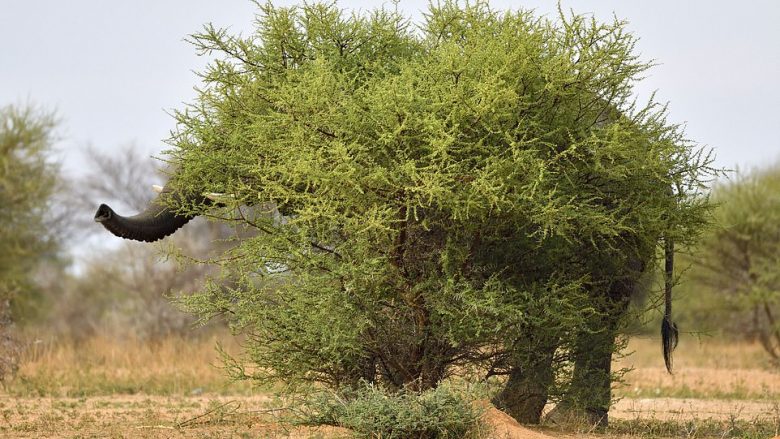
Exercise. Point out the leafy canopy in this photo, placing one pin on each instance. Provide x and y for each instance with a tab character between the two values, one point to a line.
739	260
419	194
28	179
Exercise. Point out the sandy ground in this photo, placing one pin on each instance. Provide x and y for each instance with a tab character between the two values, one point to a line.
235	417
148	417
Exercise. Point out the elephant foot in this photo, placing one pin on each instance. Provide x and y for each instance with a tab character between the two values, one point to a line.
567	414
524	409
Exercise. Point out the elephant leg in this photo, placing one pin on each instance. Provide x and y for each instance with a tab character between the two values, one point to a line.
590	393
526	391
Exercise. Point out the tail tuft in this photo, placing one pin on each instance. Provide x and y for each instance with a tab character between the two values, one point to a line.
669	337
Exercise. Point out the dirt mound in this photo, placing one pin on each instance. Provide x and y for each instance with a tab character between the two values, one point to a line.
505	427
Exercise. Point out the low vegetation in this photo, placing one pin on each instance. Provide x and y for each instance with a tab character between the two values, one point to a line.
442	412
701	427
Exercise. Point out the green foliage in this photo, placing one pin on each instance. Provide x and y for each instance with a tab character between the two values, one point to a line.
738	263
429	199
370	412
28	179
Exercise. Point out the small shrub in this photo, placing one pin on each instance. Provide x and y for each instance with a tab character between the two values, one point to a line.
371	412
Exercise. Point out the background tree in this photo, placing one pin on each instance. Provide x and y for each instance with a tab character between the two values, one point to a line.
737	266
28	179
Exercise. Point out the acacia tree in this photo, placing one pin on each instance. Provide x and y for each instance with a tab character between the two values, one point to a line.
739	260
479	191
28	179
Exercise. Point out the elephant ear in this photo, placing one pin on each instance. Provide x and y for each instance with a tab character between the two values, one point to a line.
156	222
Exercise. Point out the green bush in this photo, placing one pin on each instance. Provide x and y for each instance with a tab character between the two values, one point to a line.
371	412
457	196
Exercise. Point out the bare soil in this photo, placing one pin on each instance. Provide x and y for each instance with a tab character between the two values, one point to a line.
144	416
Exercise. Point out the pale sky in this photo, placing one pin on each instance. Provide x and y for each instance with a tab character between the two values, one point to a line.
113	69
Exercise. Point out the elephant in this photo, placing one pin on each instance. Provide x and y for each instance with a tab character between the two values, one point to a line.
525	396
589	396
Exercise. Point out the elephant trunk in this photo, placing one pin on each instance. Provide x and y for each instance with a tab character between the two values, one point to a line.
154	223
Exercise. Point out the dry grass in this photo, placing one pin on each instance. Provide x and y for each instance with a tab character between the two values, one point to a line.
102	366
174	366
131	416
708	368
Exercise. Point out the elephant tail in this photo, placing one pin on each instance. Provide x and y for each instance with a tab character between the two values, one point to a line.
669	333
